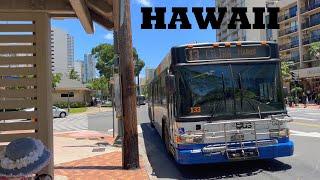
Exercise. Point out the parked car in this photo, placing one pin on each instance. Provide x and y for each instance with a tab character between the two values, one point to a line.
57	112
107	103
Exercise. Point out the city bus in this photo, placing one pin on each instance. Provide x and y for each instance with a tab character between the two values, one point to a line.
220	102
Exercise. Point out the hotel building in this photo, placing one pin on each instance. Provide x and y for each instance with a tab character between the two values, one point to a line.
299	28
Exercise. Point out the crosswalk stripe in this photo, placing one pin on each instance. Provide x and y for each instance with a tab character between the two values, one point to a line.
306	124
305	134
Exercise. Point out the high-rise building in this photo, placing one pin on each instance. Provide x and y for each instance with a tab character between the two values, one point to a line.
149	74
70	41
224	34
89	67
62	51
79	68
299	30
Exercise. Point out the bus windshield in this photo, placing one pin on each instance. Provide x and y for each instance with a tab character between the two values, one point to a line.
229	89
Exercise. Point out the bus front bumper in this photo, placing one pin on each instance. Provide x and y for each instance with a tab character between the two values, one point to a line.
196	156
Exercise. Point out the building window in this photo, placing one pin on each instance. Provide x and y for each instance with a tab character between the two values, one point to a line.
295	41
71	94
293	11
314	19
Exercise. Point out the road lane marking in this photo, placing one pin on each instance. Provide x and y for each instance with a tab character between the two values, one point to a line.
303	118
313	113
139	130
306	124
305	134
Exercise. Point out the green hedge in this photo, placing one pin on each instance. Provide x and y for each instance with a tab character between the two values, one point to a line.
72	104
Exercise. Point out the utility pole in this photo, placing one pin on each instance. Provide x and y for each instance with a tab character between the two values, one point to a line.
130	152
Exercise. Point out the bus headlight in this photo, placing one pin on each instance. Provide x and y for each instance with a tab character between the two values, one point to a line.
189	138
275	133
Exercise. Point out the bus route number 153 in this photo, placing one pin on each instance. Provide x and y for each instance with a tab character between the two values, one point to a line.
196	110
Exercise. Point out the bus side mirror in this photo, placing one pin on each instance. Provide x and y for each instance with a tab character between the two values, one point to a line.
170	83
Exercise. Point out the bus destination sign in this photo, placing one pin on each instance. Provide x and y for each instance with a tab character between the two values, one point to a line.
224	53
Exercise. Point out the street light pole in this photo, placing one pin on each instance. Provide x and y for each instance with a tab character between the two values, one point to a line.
130	152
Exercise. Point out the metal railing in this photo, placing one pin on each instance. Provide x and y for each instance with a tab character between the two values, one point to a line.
309	24
294	59
293	44
310	40
310	7
286	16
288	30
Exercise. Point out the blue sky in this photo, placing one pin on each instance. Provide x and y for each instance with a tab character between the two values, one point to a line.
152	45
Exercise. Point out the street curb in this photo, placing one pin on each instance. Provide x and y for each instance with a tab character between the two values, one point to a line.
143	154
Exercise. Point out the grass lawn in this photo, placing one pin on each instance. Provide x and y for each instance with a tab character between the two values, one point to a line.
78	110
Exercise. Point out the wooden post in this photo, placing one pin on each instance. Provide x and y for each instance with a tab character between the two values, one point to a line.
130	152
44	81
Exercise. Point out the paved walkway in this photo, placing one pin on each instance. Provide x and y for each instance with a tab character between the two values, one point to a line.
309	106
90	155
93	110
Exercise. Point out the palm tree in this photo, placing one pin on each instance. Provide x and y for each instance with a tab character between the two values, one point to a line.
74	75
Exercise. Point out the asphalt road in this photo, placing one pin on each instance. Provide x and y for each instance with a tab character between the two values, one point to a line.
101	121
304	164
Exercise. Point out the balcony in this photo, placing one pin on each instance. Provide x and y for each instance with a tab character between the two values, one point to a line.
287	16
288	31
310	40
310	24
294	59
293	44
310	7
306	57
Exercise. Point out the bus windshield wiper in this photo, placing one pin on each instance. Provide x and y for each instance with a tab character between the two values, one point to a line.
234	91
241	91
214	110
224	91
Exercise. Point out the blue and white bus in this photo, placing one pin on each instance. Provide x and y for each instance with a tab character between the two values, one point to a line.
221	102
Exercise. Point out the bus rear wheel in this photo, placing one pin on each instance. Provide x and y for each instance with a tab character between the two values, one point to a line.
165	137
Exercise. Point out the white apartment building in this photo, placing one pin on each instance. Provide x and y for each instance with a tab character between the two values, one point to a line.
224	34
79	67
62	51
89	68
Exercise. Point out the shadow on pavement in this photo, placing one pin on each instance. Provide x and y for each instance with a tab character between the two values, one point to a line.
165	167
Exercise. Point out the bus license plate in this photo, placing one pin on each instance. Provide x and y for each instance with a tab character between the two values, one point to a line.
237	137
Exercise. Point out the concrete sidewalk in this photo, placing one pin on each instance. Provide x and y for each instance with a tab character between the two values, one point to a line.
90	155
309	106
93	110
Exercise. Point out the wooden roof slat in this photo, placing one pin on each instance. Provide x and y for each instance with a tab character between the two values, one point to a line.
101	11
81	9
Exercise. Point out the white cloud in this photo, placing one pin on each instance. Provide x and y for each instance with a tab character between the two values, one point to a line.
109	36
145	2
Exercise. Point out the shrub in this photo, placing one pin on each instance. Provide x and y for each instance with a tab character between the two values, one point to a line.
72	104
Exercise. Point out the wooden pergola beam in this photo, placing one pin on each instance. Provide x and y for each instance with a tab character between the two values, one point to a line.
83	13
105	22
101	8
53	7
